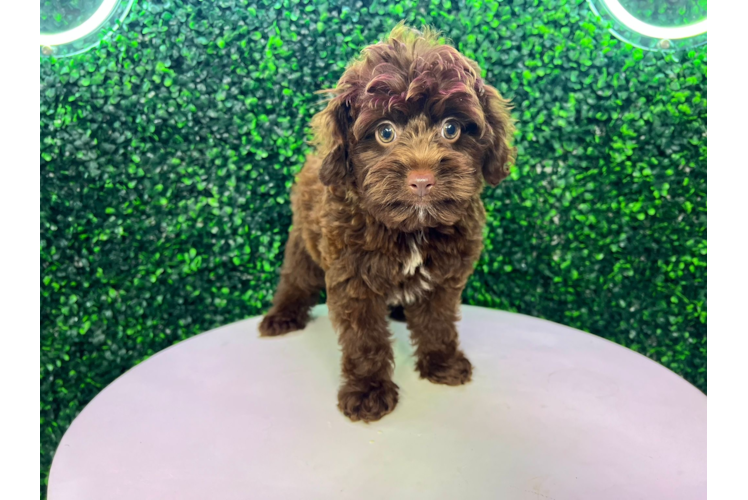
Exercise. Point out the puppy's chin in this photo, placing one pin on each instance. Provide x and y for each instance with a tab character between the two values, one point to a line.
414	216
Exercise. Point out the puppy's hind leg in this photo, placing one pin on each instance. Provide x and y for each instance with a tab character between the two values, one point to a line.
300	284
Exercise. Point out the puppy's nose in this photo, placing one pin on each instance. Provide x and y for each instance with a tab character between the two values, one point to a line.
421	182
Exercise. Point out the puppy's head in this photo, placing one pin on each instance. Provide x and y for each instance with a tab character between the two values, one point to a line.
414	130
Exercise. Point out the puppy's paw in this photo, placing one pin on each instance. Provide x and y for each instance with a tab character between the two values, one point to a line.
439	369
367	400
279	322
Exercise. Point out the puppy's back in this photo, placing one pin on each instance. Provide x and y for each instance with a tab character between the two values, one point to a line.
307	197
307	191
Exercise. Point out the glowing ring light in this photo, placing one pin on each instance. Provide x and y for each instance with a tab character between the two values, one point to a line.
82	30
709	25
105	18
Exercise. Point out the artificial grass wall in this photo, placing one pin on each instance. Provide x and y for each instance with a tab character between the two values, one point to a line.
167	154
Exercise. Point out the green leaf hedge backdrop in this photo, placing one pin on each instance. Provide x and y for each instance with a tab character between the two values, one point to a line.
167	155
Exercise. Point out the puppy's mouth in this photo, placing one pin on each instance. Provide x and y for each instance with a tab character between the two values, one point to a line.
429	211
407	205
434	204
423	203
412	214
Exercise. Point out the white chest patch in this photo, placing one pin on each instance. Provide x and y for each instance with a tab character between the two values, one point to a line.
418	278
414	260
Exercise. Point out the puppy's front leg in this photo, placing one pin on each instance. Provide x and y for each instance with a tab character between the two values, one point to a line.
431	322
359	316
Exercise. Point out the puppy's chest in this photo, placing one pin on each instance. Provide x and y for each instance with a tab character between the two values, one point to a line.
413	280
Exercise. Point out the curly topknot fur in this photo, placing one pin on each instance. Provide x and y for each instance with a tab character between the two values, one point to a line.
365	232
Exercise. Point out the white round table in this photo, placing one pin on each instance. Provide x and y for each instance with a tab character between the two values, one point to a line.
552	413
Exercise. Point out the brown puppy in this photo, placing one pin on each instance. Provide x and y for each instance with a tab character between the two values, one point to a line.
388	211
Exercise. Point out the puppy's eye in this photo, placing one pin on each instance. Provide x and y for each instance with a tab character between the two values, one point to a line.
450	131
385	133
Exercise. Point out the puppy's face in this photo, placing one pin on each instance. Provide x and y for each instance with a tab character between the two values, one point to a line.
414	131
415	171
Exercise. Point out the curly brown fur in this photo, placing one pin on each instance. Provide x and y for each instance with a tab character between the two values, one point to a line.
363	231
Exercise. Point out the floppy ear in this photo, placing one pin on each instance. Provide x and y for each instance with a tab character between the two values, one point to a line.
500	154
331	137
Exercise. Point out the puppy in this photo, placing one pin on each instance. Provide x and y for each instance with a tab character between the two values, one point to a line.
387	211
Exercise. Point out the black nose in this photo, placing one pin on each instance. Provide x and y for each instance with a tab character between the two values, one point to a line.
421	182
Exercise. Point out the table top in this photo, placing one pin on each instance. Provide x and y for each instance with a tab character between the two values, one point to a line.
551	413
